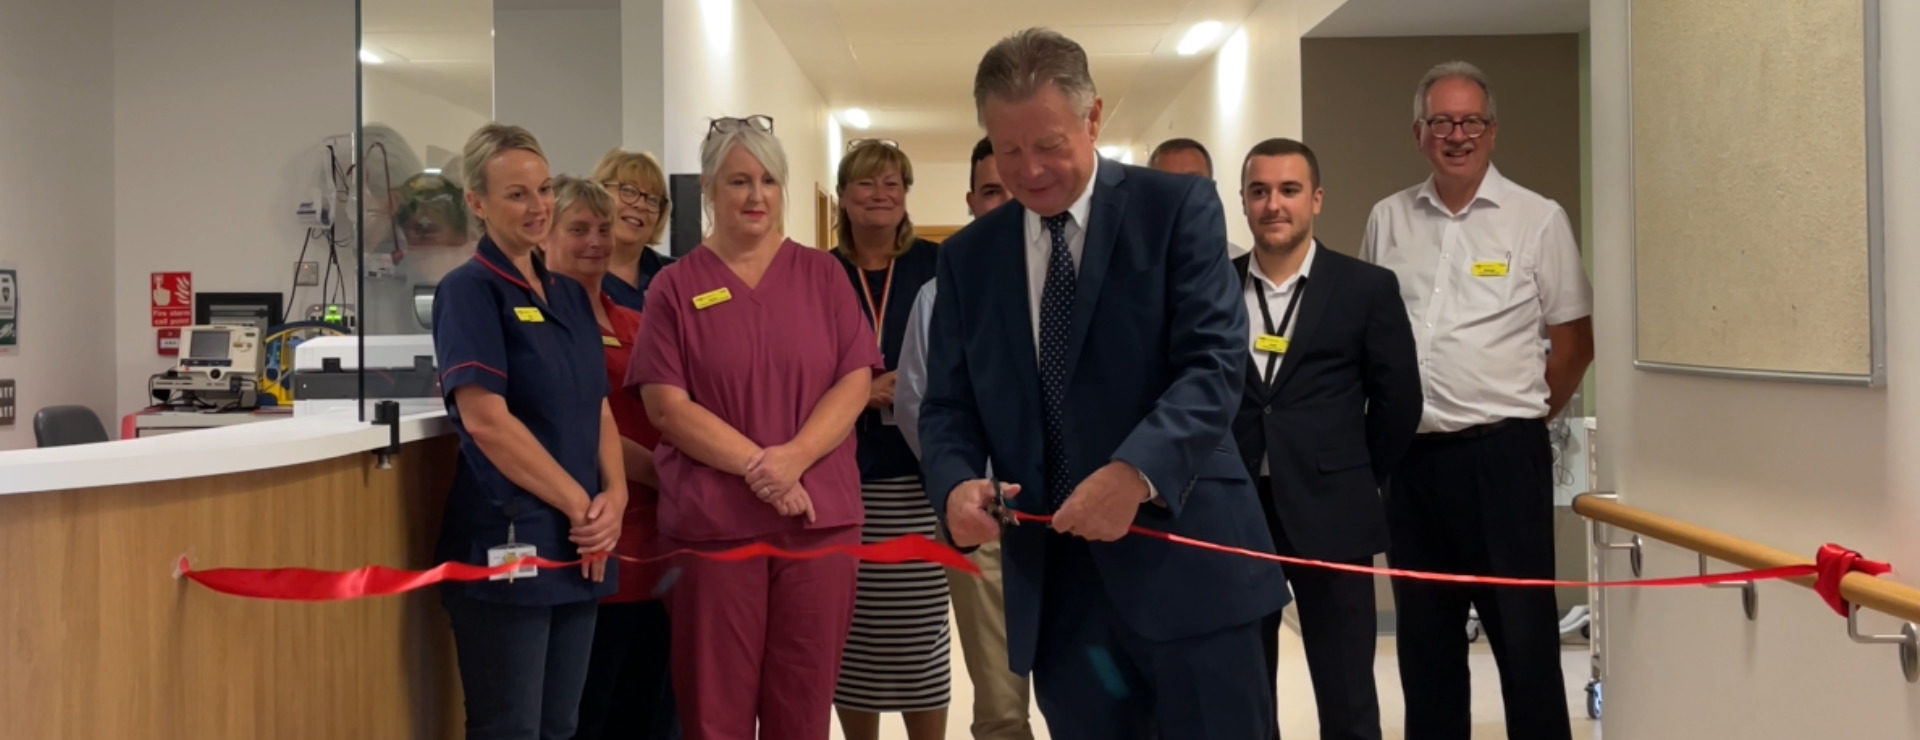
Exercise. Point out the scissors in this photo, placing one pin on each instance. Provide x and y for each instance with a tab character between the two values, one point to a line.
999	506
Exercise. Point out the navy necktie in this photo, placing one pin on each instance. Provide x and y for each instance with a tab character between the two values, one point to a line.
1056	309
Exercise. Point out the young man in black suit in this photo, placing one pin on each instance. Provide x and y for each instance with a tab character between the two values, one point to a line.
1331	401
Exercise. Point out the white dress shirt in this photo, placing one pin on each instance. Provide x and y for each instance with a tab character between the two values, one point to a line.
1278	296
1481	287
1040	247
910	386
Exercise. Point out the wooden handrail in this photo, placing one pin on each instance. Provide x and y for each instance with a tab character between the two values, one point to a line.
1868	592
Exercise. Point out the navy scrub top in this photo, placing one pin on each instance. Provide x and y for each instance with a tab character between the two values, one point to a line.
545	358
635	296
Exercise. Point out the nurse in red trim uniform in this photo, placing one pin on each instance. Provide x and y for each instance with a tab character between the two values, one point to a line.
540	469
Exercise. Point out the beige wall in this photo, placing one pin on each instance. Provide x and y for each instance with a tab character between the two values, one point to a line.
1789	465
1358	99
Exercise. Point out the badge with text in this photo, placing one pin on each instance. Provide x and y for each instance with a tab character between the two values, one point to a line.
609	341
712	298
509	554
1489	269
529	314
1271	343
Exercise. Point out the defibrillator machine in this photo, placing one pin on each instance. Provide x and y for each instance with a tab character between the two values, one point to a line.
219	367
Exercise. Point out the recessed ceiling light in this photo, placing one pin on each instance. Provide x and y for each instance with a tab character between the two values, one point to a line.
1198	38
856	117
368	57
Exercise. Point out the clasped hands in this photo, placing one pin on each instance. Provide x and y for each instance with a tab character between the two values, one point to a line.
596	528
774	473
1100	509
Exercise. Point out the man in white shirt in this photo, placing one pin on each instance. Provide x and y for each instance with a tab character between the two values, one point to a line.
1501	311
1000	696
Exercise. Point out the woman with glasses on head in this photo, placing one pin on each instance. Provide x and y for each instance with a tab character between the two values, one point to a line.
754	362
626	693
639	189
898	651
541	471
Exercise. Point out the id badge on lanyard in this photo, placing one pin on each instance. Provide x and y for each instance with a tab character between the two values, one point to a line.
509	553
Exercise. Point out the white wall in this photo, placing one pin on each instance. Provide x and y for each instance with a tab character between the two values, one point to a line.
727	61
557	72
1248	92
1793	466
219	106
643	75
939	196
56	177
424	118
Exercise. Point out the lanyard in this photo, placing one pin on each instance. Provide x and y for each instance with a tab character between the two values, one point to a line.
1266	316
877	310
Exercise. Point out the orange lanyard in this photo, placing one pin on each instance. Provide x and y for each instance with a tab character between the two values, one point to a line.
877	311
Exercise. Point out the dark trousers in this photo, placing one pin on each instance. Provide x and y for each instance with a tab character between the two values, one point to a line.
522	667
1339	628
1095	679
629	693
1479	504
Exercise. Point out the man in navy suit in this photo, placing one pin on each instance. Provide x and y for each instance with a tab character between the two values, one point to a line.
1091	343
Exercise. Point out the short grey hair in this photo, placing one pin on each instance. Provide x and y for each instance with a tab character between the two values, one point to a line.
569	191
1021	65
761	144
1447	71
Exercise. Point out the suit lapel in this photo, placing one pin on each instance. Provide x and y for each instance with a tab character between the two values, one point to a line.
1320	285
1103	228
1016	326
1256	378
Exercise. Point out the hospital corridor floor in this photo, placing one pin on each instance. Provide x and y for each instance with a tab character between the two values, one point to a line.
1297	719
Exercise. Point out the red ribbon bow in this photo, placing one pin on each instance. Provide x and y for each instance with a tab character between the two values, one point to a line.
1834	563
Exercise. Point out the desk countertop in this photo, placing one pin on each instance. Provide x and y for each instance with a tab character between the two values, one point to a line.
204	453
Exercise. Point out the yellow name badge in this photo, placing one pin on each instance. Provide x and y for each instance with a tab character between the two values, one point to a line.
529	314
1489	269
1271	343
610	341
712	298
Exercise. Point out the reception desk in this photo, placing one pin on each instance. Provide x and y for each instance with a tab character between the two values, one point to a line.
102	641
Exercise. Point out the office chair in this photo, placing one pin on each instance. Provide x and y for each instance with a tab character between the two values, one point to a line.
56	426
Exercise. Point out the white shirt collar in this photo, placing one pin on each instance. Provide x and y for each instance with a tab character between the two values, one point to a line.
1493	190
1306	268
1080	209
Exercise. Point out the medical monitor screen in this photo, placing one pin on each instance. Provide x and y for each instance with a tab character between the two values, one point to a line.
210	345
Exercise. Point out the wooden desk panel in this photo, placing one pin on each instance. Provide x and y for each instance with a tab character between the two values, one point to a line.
100	641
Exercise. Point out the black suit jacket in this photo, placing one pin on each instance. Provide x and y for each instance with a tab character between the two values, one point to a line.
1340	413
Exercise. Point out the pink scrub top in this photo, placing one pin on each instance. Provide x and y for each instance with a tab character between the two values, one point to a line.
760	359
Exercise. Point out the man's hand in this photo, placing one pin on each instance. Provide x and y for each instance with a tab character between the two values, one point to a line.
1103	506
969	518
775	470
880	394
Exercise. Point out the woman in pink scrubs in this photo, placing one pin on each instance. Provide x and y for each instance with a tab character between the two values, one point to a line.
754	362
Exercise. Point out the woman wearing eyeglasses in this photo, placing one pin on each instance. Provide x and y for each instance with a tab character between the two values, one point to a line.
754	362
897	650
639	189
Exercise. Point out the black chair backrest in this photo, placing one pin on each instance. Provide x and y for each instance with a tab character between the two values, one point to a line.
56	426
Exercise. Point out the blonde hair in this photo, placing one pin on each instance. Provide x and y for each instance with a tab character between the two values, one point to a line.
569	191
493	140
642	169
865	161
761	144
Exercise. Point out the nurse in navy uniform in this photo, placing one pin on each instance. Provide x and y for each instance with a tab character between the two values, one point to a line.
540	469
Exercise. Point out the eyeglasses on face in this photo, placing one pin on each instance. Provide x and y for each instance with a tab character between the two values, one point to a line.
634	196
857	143
727	124
1442	127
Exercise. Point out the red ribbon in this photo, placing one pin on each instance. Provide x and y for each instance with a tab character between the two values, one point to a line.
1769	574
1834	563
304	584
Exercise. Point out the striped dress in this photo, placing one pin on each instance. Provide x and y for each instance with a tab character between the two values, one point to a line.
897	654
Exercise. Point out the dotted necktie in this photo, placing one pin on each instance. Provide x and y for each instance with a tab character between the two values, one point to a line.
1056	308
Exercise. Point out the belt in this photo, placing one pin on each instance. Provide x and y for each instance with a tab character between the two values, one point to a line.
1473	432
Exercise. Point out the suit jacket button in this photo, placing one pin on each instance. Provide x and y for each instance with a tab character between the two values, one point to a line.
1269	410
